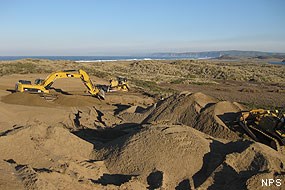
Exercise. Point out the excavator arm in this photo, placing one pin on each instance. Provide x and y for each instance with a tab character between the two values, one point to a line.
87	82
43	86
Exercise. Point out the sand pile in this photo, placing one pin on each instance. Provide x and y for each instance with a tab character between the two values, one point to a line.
59	99
215	120
136	114
183	108
243	169
13	115
26	99
29	143
166	150
76	100
195	110
7	179
91	117
128	98
38	151
167	156
50	157
177	156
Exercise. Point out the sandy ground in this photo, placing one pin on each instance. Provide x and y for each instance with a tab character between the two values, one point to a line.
128	141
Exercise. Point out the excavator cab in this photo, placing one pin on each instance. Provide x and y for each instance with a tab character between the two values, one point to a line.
25	82
39	81
122	80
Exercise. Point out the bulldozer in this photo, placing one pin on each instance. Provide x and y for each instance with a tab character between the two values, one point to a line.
265	126
119	84
43	85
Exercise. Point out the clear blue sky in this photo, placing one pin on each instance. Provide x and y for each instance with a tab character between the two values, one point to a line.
127	27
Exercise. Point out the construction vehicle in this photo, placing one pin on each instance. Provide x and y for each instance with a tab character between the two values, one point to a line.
265	126
119	84
43	85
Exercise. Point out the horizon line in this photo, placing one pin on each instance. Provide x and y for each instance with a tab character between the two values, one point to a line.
146	54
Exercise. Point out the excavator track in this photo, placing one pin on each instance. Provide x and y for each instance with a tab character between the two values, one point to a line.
276	145
48	97
261	125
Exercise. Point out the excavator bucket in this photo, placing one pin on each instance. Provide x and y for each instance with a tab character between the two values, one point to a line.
101	94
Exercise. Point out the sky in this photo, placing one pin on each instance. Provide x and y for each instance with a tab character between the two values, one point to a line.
137	27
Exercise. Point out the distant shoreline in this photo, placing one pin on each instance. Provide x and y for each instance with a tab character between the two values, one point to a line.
98	58
92	59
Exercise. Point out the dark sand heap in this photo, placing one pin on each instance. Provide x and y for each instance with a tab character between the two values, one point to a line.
183	108
196	110
178	156
57	100
26	99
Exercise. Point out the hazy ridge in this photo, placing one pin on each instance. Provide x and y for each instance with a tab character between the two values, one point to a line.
216	54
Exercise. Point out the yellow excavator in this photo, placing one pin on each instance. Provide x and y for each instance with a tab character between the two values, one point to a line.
119	84
265	126
43	85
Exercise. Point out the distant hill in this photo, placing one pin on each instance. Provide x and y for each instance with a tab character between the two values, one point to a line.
217	54
226	57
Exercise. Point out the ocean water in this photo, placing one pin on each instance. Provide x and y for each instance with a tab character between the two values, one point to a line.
91	58
277	63
109	58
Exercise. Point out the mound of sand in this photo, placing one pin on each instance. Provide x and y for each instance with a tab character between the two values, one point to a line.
7	179
213	120
183	108
136	114
28	144
180	157
168	150
26	99
60	99
51	157
244	168
76	100
129	98
46	157
167	156
196	110
91	118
